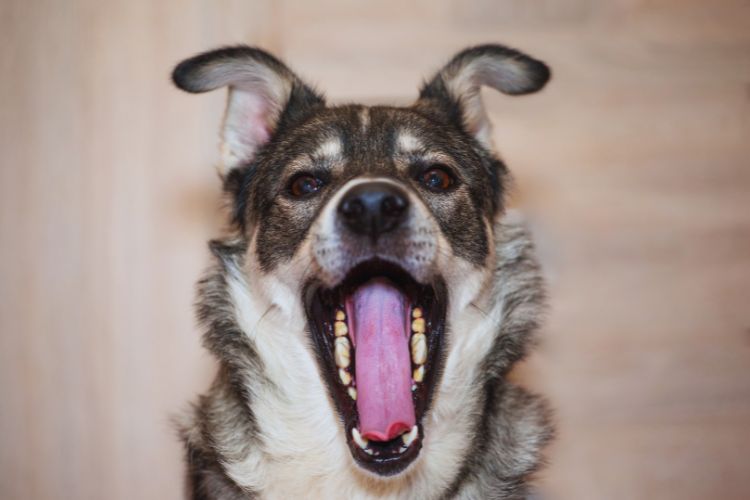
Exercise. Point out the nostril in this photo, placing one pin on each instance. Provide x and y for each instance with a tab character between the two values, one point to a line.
393	206
352	209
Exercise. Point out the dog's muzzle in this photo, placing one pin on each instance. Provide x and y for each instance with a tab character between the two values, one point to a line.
376	308
374	219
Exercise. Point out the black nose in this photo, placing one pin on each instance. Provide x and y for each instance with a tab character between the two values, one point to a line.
373	208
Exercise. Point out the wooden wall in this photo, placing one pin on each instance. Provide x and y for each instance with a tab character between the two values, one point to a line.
633	169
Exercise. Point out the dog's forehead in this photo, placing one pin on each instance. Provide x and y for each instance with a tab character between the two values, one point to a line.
368	137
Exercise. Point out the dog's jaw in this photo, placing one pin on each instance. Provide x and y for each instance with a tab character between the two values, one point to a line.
379	316
300	449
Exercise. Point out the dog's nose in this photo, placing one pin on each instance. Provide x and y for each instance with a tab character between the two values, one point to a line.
373	208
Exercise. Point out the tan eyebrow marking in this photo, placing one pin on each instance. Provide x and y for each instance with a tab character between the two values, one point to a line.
408	142
331	149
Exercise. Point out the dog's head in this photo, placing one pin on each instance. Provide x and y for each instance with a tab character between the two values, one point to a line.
369	228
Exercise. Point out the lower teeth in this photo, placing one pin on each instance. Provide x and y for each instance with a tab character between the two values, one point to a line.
407	438
361	442
410	436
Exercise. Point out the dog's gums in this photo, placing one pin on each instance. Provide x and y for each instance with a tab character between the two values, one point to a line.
378	337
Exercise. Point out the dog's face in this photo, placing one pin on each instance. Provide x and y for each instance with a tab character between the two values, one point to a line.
372	227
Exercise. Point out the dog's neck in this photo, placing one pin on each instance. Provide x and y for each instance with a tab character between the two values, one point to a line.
295	447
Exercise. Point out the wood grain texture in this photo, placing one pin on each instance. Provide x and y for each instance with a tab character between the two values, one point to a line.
633	169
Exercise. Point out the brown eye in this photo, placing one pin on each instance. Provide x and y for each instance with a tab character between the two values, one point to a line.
436	179
304	185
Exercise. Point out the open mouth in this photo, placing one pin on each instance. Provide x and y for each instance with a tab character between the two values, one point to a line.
378	337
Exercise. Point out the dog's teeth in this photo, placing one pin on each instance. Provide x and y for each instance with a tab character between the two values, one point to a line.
340	315
418	348
417	312
418	326
345	376
410	436
352	393
361	442
418	374
340	329
342	352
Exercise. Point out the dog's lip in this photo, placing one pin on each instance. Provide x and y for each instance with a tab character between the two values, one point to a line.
321	301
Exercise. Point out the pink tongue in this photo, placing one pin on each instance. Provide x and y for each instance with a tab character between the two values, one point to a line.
378	320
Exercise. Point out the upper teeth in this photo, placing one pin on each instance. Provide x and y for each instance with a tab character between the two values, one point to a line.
418	348
340	329
418	343
345	376
342	352
418	325
342	349
418	374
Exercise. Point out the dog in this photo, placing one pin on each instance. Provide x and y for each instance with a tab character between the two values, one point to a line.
372	293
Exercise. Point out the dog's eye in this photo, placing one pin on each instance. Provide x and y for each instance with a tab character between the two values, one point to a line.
304	185
436	179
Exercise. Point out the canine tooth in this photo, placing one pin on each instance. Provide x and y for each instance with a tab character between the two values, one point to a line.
342	354
417	312
352	393
340	315
418	374
340	328
345	376
418	348
411	436
418	326
361	442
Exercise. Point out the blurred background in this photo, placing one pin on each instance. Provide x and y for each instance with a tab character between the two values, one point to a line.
632	168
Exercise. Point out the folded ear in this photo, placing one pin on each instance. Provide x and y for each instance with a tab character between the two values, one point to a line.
455	88
264	95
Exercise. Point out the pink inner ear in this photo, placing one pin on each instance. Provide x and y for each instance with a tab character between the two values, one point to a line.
247	125
258	129
264	134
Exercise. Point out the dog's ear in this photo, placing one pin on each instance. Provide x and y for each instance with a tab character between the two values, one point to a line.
455	88
264	96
